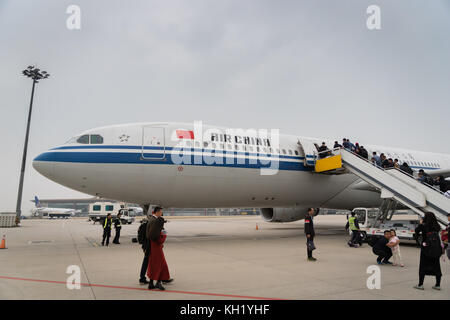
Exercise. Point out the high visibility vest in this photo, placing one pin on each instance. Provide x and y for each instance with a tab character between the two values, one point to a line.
351	222
106	222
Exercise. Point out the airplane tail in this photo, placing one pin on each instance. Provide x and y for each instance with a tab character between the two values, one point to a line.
36	202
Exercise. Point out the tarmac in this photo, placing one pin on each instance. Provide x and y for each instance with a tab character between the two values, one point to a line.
209	258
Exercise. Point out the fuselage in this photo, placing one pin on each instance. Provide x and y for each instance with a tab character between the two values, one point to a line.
182	165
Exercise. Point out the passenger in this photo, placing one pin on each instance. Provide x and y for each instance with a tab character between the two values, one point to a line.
117	227
424	177
352	146
381	249
337	145
322	151
374	162
364	153
309	231
145	245
384	161
443	185
405	168
352	223
157	265
107	229
396	165
377	158
358	151
390	163
345	144
430	250
394	244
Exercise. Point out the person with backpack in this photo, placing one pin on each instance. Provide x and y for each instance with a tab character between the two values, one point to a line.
430	250
145	245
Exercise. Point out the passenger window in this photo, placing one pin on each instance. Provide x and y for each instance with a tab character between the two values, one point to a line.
236	147
205	144
296	152
197	144
290	151
213	145
83	139
96	139
96	208
284	151
188	143
109	208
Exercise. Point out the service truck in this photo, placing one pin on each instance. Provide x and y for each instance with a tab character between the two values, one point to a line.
99	210
371	225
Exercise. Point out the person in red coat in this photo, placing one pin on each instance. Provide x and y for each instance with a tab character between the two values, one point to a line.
157	266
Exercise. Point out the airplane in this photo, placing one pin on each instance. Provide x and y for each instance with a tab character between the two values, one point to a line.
51	212
198	166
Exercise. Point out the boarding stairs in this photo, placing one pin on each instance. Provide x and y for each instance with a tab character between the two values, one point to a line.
394	184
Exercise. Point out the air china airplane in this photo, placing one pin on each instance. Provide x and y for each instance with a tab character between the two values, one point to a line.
198	166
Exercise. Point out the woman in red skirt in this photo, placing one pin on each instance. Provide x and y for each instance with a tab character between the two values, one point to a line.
157	265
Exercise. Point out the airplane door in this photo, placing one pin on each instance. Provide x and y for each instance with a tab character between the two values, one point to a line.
309	151
153	143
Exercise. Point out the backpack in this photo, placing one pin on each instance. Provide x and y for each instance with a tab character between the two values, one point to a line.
142	237
433	248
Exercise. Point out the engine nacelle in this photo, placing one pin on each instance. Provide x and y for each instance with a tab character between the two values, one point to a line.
283	214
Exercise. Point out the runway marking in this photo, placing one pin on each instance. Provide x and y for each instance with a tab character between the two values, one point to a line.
145	289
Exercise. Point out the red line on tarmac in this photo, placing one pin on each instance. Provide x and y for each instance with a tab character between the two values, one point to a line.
143	289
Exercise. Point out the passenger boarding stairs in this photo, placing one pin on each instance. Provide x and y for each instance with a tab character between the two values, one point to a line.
394	184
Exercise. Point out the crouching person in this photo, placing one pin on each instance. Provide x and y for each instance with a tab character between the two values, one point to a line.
157	266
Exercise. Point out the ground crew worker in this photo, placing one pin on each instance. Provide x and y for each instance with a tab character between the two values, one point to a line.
118	227
107	229
352	223
309	231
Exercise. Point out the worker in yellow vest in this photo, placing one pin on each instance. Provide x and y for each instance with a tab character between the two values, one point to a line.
352	223
107	224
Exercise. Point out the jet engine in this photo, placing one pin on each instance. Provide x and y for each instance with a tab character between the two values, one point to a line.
283	214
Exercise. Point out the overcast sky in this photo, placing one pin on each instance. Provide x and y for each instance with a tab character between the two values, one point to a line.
309	68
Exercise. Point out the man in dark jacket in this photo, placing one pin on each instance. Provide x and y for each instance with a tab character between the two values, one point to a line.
443	185
364	152
323	151
309	232
407	169
118	227
381	249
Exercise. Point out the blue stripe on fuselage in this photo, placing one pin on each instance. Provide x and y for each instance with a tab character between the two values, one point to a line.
157	158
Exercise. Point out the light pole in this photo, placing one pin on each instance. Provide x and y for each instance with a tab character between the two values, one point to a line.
35	74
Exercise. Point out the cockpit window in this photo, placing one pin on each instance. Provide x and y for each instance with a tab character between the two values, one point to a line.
83	139
96	139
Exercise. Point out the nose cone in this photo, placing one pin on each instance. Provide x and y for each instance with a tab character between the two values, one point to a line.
44	165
